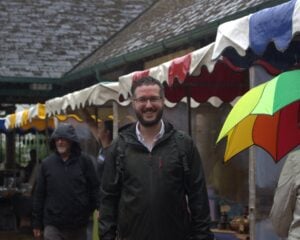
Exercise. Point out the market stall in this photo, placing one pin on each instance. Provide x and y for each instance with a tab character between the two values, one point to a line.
30	129
33	127
27	129
269	35
101	100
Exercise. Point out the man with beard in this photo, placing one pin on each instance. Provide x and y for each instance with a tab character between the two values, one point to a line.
150	189
67	189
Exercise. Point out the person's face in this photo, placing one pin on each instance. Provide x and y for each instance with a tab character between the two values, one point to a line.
63	146
102	132
148	105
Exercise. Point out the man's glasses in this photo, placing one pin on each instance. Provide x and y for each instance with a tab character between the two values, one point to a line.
61	139
144	100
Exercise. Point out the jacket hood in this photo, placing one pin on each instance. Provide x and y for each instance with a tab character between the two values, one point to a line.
67	131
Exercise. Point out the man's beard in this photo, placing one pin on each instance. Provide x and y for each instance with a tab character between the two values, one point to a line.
61	150
151	123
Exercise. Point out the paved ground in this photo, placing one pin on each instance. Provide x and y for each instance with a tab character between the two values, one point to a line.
16	235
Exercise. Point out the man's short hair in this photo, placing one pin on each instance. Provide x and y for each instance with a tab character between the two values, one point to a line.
147	81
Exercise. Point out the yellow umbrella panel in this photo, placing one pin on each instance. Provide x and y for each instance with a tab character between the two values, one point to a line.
239	137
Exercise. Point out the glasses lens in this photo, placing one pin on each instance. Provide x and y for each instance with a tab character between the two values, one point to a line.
144	100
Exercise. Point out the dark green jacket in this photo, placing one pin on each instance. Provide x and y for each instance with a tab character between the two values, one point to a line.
144	193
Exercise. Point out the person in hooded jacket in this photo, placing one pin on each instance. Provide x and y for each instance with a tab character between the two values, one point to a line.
67	189
285	212
103	133
146	194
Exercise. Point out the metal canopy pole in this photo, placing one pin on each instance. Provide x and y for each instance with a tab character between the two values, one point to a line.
189	113
252	192
115	119
252	176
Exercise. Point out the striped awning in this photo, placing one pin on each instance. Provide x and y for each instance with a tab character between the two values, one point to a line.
197	76
33	118
268	35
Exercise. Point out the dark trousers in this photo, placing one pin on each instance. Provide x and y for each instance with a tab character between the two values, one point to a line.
53	233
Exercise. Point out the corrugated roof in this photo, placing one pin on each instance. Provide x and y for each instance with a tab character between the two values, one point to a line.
165	20
46	38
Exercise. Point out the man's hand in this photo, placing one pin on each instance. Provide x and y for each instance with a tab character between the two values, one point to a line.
97	214
37	233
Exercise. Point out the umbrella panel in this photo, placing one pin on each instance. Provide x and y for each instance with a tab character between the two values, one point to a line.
239	137
242	109
280	133
279	92
277	134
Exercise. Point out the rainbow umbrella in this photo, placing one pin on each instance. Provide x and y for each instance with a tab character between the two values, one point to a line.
267	116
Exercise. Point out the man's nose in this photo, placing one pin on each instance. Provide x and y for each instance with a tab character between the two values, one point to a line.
148	102
59	139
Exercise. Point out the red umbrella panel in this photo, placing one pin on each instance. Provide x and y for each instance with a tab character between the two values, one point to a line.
280	133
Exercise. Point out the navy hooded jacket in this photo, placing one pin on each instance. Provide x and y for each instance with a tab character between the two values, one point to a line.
67	191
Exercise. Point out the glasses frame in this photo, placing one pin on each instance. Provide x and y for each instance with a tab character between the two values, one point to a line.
152	100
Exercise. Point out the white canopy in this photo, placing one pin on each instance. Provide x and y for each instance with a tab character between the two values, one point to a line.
98	94
277	24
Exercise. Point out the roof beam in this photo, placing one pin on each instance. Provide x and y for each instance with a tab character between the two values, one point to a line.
6	79
30	93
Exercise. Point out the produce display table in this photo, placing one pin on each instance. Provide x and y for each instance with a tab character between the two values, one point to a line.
229	235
